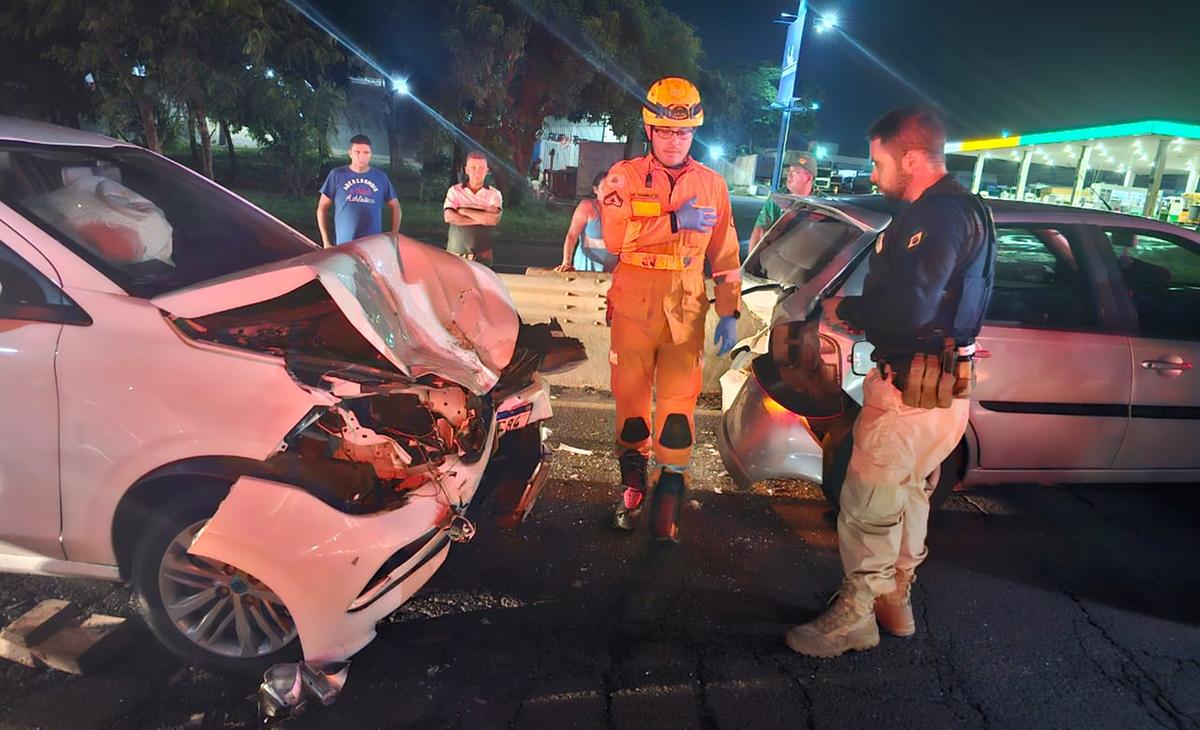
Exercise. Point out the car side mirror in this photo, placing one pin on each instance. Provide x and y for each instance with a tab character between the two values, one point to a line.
860	358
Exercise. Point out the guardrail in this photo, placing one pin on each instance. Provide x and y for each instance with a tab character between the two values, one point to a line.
576	299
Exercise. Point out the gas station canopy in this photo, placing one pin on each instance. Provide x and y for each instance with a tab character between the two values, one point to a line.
1126	167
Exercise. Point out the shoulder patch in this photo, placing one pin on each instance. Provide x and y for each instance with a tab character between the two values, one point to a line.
614	199
879	244
916	239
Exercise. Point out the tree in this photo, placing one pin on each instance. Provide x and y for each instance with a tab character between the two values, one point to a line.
117	43
740	100
291	99
201	59
34	89
503	66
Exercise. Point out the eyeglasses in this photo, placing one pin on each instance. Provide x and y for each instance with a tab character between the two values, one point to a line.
668	133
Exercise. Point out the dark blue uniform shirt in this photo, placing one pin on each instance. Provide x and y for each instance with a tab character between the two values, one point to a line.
912	290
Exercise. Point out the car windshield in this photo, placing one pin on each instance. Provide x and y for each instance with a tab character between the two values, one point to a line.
799	246
149	225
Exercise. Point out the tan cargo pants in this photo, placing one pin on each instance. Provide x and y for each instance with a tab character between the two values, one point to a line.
893	469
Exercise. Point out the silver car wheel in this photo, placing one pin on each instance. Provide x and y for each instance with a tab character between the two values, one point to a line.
218	607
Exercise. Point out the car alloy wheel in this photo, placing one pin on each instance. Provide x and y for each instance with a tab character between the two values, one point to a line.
218	607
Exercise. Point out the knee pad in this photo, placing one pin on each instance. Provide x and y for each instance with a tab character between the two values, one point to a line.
634	430
676	433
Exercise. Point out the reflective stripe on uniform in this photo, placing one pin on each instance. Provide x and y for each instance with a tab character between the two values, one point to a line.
732	276
662	261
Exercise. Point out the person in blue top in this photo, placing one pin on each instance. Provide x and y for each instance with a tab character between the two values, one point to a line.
357	193
583	248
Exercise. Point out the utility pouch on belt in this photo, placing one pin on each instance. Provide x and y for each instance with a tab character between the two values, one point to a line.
934	381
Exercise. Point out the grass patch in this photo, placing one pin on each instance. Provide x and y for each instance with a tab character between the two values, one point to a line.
258	180
534	223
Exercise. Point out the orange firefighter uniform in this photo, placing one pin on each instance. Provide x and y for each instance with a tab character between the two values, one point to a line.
657	302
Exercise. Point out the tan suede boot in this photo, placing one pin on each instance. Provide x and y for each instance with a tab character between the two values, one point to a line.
894	611
847	625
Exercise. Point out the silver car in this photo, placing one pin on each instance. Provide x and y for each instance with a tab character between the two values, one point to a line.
1086	358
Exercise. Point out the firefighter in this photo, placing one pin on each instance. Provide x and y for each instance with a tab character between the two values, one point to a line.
922	306
663	216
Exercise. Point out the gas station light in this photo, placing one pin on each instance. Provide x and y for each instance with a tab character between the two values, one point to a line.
815	105
828	21
821	152
716	151
400	85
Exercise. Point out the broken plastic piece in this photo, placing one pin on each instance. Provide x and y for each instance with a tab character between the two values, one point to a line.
574	450
287	688
461	529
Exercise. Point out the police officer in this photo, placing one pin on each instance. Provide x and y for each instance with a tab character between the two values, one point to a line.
922	305
663	215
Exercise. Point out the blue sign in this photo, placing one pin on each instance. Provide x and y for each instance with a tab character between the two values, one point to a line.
791	56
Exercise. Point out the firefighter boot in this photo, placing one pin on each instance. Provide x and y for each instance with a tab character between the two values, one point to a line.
666	504
894	610
633	478
847	625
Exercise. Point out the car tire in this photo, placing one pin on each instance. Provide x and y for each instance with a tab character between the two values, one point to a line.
162	543
836	450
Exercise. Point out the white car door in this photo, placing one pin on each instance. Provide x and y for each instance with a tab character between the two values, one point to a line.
33	311
1052	376
1161	273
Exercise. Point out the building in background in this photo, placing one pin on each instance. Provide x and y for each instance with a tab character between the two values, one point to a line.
1149	168
568	155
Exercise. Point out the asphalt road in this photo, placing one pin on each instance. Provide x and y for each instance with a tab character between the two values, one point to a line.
1072	607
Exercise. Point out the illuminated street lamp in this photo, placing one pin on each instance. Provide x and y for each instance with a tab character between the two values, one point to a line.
400	85
784	98
716	152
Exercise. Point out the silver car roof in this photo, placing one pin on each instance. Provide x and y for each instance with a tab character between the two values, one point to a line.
15	129
875	212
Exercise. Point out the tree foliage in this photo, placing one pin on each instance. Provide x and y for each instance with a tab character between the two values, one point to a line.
246	63
492	70
496	69
738	107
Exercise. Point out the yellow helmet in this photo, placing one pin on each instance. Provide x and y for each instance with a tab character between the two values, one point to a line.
673	102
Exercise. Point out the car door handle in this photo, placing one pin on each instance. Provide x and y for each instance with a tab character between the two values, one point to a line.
1166	365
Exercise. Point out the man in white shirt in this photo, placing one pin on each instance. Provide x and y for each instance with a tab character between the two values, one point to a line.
472	210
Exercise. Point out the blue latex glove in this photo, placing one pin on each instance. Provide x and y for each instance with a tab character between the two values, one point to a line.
688	216
726	335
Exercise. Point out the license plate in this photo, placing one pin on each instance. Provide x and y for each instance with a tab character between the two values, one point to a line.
514	418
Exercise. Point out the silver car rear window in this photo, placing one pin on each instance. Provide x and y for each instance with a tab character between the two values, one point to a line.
799	246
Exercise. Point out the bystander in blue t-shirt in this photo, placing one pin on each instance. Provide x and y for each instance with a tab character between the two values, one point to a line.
358	200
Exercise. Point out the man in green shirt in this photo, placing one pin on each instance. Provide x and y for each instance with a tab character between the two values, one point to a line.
801	171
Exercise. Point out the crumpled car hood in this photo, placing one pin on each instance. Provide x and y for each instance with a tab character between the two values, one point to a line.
424	310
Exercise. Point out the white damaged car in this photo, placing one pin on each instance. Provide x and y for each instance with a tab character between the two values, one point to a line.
273	444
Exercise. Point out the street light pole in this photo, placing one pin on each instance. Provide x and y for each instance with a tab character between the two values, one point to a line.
785	95
780	148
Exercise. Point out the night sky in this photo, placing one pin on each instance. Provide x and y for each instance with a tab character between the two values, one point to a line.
1023	65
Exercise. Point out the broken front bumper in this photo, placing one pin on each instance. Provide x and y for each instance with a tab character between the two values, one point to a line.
325	564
